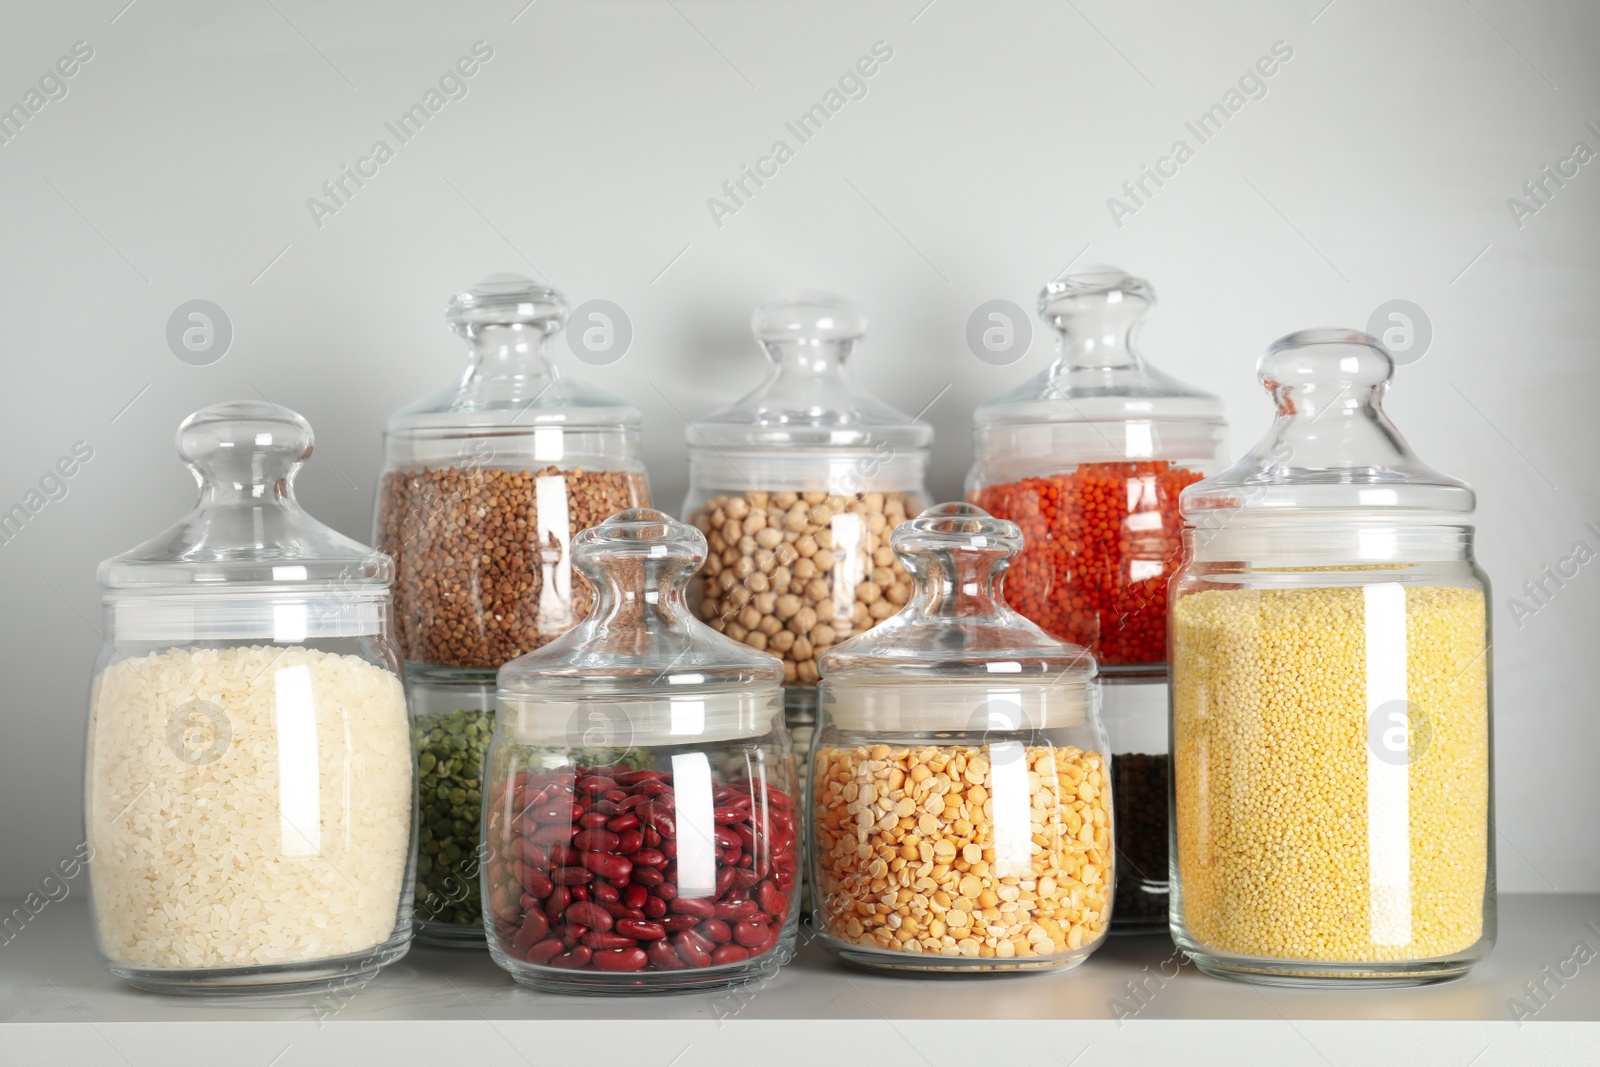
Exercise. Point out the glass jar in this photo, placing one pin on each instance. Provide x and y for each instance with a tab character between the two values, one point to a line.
797	487
1089	457
1134	708
640	832
452	722
959	772
249	786
486	482
1331	696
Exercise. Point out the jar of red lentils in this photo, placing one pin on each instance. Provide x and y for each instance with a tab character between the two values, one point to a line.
1088	457
797	487
961	801
1332	798
641	828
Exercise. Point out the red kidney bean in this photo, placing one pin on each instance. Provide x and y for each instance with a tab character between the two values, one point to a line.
634	896
652	837
693	949
608	808
594	840
634	802
570	933
588	914
654	907
750	933
549	835
730	814
632	958
778	798
663	957
653	788
594	820
580	892
534	856
608	866
622	911
535	882
641	930
730	954
661	822
646	875
535	927
744	878
726	838
604	893
612	796
716	930
724	882
598	941
674	923
595	784
626	821
648	857
747	836
772	902
563	855
697	906
571	875
628	778
782	821
743	802
556	903
667	891
544	951
629	842
733	911
575	957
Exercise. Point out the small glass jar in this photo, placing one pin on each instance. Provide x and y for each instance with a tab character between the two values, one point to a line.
797	487
1089	457
1332	796
250	785
486	482
961	805
452	721
640	831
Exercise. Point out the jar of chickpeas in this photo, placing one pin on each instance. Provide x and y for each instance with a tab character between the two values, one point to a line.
960	799
797	488
1332	797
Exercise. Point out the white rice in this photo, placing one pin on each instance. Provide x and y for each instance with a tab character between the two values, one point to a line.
205	864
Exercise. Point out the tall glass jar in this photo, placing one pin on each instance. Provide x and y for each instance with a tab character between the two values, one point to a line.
640	833
961	803
249	782
485	484
1089	457
1331	696
797	487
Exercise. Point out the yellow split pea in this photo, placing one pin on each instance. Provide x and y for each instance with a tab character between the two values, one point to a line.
910	855
1273	771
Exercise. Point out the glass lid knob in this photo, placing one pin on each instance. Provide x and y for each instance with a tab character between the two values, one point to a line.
812	316
243	445
507	300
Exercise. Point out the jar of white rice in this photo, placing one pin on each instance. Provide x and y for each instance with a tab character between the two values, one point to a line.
250	783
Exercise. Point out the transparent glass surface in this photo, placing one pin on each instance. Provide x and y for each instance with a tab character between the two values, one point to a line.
1134	708
452	722
249	779
1331	708
640	833
1088	457
959	771
486	482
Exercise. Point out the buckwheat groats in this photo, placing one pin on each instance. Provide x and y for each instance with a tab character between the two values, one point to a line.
1277	772
482	573
796	573
924	849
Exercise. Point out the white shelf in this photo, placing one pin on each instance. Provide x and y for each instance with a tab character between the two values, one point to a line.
58	1006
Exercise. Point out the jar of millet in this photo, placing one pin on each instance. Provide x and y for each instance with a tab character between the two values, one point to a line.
961	800
1330	696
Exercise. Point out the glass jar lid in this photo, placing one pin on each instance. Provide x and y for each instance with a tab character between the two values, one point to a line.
1332	450
248	561
512	379
641	649
957	628
1100	377
809	412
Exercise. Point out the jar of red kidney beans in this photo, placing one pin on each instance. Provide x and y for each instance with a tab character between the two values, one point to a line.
639	831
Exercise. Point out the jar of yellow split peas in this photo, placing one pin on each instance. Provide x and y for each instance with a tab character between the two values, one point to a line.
1329	641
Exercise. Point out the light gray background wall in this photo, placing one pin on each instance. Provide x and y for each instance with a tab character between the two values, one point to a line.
1377	166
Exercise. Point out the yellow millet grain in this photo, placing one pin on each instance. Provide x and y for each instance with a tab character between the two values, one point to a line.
1270	744
906	850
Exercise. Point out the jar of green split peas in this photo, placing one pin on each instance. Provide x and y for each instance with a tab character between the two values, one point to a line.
1330	657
